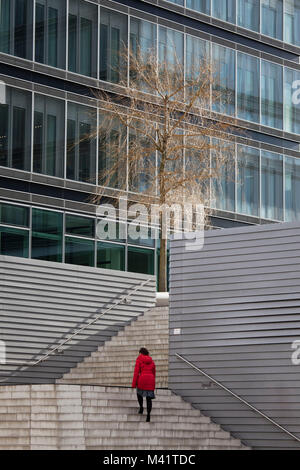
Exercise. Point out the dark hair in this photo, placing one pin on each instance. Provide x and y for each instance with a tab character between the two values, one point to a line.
144	351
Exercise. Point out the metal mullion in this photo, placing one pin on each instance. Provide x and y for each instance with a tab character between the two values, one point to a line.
66	139
32	130
33	30
98	42
30	233
67	35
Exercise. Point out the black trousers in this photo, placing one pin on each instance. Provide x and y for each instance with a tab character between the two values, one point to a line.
149	403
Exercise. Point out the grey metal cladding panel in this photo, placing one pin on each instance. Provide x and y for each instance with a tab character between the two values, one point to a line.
237	302
43	303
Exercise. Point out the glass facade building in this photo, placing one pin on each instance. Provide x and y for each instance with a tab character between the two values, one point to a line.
53	53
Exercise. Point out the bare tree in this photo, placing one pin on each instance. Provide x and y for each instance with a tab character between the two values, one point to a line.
159	138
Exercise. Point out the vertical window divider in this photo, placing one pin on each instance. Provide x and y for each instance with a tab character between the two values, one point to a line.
63	237
260	191
97	148
98	43
259	88
235	177
32	130
128	49
30	233
236	85
67	34
33	30
66	138
283	187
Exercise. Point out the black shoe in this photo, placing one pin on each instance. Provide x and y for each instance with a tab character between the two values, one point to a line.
148	418
141	410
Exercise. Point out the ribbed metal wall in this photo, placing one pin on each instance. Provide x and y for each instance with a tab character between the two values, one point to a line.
42	303
237	303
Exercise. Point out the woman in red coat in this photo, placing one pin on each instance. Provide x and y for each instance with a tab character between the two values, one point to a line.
144	380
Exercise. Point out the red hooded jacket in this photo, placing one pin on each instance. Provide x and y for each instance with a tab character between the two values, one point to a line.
144	373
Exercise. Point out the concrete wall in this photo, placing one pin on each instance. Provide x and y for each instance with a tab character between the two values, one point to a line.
237	302
42	303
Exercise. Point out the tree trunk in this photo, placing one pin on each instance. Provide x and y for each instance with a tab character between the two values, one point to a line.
163	281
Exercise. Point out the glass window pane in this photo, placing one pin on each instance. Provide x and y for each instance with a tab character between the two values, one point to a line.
113	37
83	20
199	5
271	18
77	225
50	32
292	189
140	260
247	180
224	10
78	251
224	82
81	143
15	127
223	183
14	215
271	94
248	87
112	154
170	46
137	239
248	14
110	256
291	101
292	21
14	242
5	13
271	186
23	31
142	47
49	139
178	2
47	229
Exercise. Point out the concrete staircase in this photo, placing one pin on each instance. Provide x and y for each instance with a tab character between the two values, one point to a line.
60	417
94	407
113	363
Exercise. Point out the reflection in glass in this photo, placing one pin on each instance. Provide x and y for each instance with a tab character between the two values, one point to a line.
14	242
292	22
247	180
22	37
11	214
5	26
81	143
111	256
203	6
224	83
271	186
140	260
76	225
80	252
223	184
170	46
271	94
271	18
82	52
50	32
292	189
47	231
291	101
113	41
49	138
248	87
224	10
248	14
15	129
